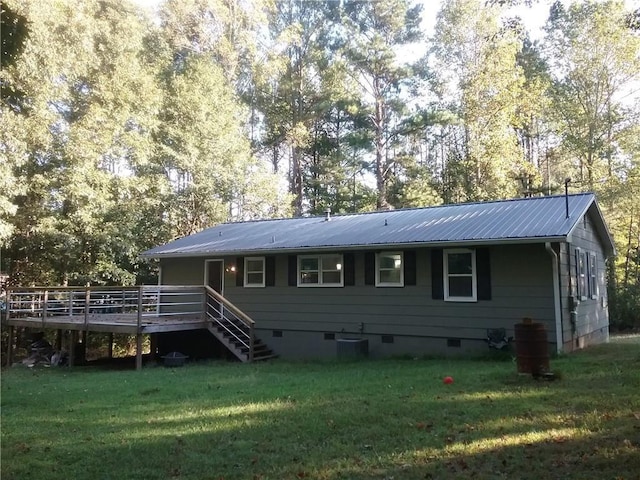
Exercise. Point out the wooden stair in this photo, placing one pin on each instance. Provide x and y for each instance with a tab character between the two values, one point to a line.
234	329
236	339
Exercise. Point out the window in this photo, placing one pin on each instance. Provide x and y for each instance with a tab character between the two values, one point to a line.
254	272
460	282
593	276
320	270
581	274
389	270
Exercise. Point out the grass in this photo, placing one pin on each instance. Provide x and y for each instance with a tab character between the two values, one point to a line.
390	419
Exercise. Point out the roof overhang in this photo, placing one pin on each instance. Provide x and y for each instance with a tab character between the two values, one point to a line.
597	218
369	246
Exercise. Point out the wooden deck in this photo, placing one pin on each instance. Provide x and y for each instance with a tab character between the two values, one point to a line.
113	323
141	310
138	311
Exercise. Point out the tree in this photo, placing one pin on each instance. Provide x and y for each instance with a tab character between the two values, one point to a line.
225	30
480	83
287	88
13	34
80	127
595	61
594	52
372	33
203	151
532	125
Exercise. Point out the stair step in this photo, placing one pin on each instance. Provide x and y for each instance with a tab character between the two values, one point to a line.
228	330
265	357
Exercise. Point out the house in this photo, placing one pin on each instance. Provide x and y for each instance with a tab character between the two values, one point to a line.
411	282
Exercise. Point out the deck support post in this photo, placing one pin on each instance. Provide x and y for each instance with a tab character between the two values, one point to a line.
139	331
110	348
84	337
12	339
154	345
73	338
58	340
138	351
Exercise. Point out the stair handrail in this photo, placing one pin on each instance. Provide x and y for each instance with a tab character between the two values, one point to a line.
240	315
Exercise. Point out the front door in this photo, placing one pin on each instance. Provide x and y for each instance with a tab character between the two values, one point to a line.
214	278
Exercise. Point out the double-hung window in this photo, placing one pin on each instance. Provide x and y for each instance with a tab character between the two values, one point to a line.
593	276
320	271
389	269
460	275
254	272
581	274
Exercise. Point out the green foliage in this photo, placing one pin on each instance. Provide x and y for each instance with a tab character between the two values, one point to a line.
125	147
624	305
121	132
595	64
372	33
72	145
596	59
481	83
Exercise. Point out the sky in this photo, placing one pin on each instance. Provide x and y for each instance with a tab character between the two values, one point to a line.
534	16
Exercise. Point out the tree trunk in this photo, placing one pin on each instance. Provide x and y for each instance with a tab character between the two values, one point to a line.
296	181
382	202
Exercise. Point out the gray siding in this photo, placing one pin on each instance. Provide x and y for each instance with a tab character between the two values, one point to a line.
591	323
521	285
182	271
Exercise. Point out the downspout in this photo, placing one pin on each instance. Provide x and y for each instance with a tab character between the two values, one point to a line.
556	296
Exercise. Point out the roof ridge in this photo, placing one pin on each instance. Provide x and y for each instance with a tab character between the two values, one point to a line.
407	209
530	219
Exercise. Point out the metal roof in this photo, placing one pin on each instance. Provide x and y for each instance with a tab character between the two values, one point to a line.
523	220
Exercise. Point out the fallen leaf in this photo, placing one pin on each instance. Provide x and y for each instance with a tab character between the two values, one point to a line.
23	448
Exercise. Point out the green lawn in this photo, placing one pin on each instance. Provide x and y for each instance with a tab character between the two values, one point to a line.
391	419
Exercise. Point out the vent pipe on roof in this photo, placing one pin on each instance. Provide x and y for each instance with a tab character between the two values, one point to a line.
567	181
327	215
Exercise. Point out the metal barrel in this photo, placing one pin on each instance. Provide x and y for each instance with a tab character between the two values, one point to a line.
532	349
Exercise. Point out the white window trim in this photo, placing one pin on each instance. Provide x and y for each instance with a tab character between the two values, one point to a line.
320	284
593	275
389	284
474	275
582	273
576	255
246	272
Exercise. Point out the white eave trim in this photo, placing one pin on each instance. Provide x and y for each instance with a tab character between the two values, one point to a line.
368	246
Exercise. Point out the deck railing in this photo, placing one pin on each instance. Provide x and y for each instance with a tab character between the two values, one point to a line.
87	307
237	325
140	301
